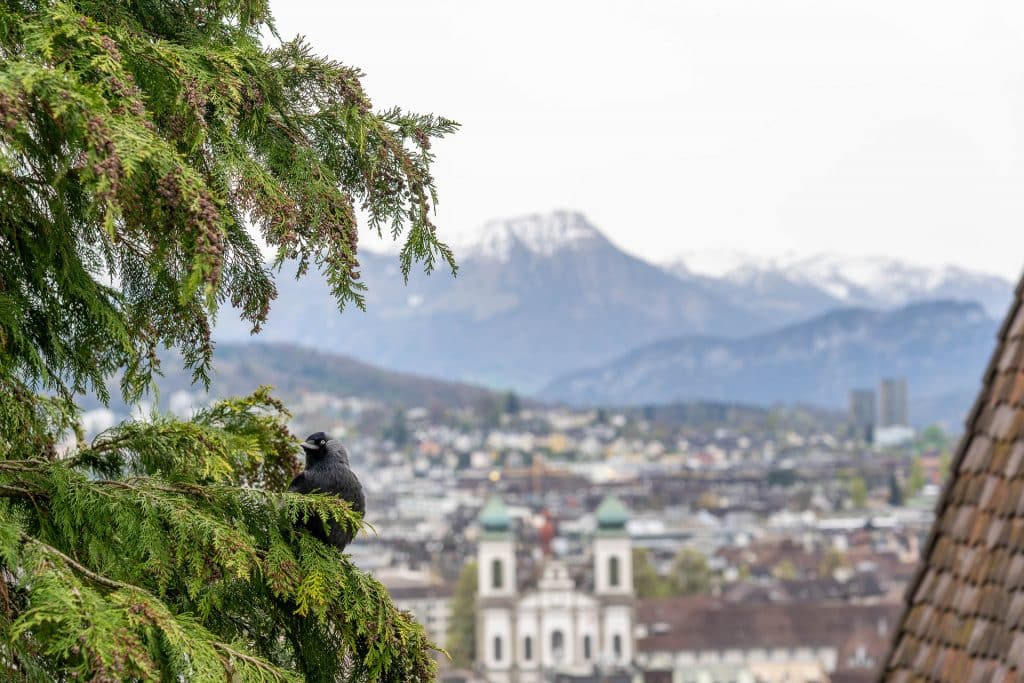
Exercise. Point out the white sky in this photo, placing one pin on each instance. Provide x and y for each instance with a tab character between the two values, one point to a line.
889	127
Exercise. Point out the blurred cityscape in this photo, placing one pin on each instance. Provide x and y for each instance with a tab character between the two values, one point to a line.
691	542
745	503
581	466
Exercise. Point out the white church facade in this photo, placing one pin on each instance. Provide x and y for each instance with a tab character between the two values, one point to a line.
555	631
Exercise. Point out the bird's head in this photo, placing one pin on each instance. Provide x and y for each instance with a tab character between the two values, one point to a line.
320	447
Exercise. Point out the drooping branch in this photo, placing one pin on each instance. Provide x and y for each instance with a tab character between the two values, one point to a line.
78	567
8	491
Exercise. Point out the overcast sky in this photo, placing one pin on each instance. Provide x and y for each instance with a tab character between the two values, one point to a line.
862	126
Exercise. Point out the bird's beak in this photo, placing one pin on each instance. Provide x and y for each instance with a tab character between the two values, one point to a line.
306	446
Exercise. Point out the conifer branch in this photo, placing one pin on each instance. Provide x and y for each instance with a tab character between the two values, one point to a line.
133	139
78	567
20	465
8	491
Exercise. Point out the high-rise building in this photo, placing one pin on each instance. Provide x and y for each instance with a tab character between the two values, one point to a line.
863	413
893	402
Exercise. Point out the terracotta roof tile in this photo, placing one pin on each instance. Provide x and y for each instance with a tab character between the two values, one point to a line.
964	616
1013	467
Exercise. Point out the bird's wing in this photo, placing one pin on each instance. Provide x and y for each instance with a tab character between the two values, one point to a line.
301	484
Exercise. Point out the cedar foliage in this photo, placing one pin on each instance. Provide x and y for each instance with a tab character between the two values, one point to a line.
138	140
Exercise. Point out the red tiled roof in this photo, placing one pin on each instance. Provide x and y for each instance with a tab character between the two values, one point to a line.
703	623
964	615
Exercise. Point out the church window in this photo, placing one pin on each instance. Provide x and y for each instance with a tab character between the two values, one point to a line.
617	646
497	648
586	647
557	644
613	571
528	648
497	579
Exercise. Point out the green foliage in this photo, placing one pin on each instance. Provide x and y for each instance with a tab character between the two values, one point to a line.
895	492
783	477
141	556
461	641
832	561
932	438
647	583
945	460
510	403
858	492
138	143
916	479
397	430
690	573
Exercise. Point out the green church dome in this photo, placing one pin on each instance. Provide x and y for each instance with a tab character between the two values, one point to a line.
494	516
612	514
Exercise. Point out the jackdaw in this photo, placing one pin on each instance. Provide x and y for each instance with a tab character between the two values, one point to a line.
327	471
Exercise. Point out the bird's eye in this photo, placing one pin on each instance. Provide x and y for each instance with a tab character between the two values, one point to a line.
322	442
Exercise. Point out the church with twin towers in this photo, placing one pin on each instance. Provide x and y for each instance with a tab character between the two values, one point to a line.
554	629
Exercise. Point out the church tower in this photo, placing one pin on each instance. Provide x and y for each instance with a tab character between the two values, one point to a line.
496	592
613	581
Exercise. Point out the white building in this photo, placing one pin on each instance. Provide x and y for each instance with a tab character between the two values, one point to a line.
554	629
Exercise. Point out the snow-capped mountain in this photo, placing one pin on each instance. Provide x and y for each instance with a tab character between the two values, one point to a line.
535	295
543	295
800	286
537	234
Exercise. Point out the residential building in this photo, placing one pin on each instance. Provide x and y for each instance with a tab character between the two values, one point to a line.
700	639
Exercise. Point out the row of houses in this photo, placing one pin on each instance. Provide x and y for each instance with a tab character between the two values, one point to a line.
573	628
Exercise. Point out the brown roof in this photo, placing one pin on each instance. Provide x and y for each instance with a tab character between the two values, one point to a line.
853	676
861	586
421	592
964	617
703	623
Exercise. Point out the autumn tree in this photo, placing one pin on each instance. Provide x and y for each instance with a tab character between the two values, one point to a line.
144	147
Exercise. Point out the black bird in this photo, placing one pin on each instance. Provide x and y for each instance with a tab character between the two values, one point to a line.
327	471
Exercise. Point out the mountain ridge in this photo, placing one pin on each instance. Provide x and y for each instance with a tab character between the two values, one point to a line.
518	313
239	368
832	280
940	346
543	295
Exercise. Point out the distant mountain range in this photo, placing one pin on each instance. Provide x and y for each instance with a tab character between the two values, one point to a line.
544	296
535	296
795	288
941	347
